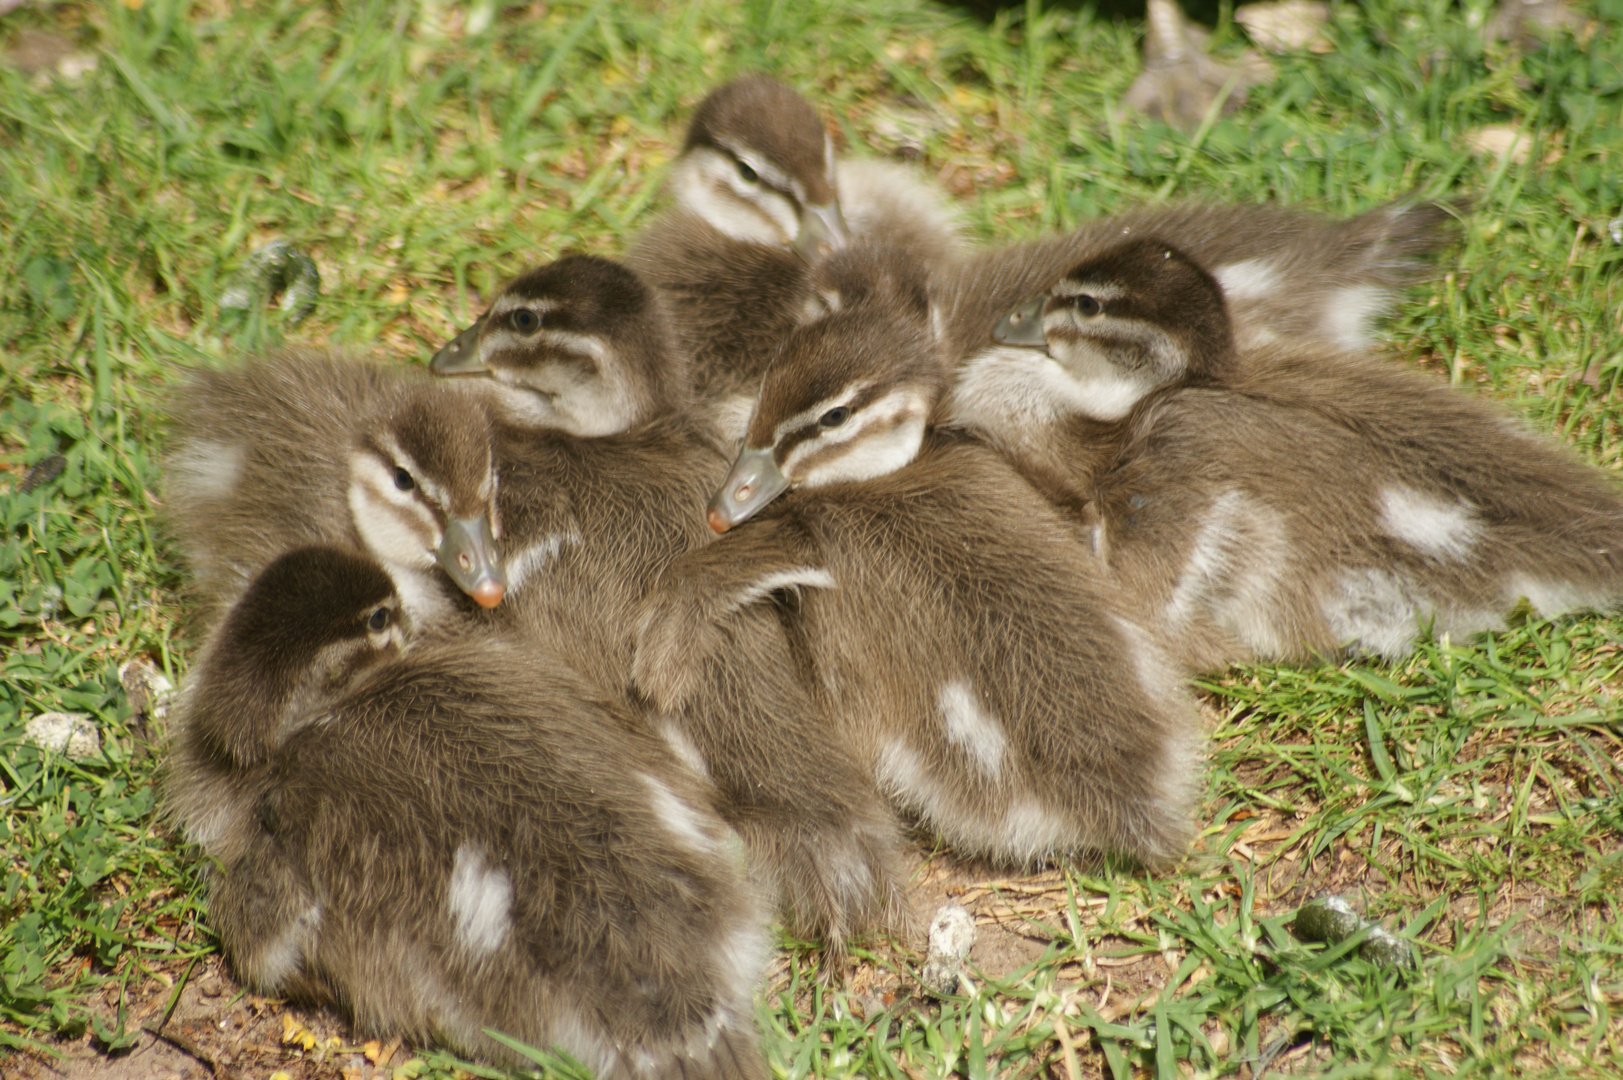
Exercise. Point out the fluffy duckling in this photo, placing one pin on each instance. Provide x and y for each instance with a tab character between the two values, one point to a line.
759	197
1284	273
1287	502
968	646
307	447
272	665
580	345
460	838
591	516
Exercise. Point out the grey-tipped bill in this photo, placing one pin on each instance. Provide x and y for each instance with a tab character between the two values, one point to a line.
1022	326
468	553
822	230
753	481
461	355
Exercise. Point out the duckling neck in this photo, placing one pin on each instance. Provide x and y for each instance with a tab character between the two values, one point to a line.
1065	460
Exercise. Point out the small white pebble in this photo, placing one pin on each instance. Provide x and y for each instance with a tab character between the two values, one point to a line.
952	935
71	734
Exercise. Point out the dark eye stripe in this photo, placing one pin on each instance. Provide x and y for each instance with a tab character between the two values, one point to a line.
813	427
828	453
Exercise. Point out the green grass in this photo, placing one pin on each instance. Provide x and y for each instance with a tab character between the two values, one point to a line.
1471	797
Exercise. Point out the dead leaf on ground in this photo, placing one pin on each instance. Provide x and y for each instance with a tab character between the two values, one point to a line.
1499	140
41	53
1525	21
1287	26
1180	82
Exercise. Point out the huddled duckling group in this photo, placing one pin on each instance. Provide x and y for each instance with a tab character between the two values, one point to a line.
531	692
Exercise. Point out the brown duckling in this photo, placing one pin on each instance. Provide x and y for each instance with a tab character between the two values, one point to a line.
1284	273
310	447
966	642
463	836
1284	502
590	518
759	196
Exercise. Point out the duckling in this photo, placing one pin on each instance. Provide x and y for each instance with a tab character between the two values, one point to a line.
467	836
273	663
964	639
1289	502
307	447
1284	273
591	513
580	345
759	197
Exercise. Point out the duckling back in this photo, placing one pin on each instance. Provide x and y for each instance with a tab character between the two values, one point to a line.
1330	502
460	835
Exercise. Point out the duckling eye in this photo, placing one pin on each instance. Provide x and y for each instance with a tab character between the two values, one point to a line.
525	321
403	480
379	621
747	174
1087	305
834	417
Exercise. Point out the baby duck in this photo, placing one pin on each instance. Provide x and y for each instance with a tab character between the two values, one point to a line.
307	447
987	675
273	664
580	345
759	196
1283	273
461	837
591	513
1287	502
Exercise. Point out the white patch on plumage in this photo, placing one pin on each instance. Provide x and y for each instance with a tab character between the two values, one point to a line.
798	577
972	728
287	950
883	436
1373	610
1232	571
706	183
681	820
1551	598
1252	279
1349	313
480	898
741	955
535	558
1177	779
584	1040
1442	530
1032	832
682	746
1024	831
205	469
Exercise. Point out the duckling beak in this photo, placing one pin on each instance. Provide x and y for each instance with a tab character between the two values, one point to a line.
468	553
822	230
461	356
754	481
1023	326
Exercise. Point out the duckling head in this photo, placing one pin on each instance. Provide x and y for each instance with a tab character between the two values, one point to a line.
850	394
581	344
308	626
423	489
1114	328
759	167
